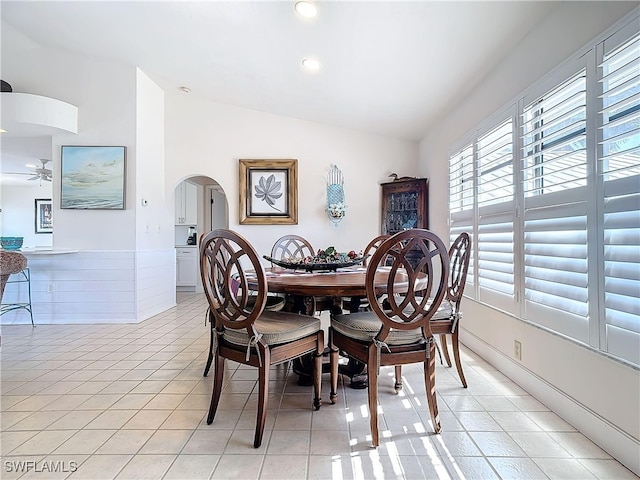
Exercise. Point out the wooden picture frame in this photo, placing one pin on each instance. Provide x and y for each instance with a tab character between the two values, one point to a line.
268	192
92	178
43	215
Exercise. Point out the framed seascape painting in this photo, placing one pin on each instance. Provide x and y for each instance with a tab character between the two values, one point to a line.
92	178
268	192
44	215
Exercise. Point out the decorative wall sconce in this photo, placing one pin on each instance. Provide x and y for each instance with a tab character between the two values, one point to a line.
336	208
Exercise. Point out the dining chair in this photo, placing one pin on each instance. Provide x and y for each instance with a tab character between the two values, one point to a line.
447	318
295	246
274	303
290	246
401	335
247	333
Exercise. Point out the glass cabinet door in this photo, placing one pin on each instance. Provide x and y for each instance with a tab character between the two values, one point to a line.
404	205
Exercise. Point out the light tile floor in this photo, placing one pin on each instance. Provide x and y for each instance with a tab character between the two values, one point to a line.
130	401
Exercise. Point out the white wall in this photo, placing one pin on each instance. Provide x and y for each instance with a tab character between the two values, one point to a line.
596	394
154	220
17	218
106	95
205	138
17	195
119	105
155	255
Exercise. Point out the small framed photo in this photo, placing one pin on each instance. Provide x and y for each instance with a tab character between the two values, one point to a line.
44	215
92	178
268	192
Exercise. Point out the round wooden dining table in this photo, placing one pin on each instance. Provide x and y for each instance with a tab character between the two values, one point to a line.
309	292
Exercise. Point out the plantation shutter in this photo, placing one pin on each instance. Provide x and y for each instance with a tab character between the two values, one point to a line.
619	168
554	183
495	236
461	205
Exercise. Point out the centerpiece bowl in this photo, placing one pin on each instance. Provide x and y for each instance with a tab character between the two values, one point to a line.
326	260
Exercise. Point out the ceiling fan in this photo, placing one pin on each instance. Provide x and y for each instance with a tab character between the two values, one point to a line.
38	173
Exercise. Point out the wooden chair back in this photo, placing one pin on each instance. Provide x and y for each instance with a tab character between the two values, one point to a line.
372	247
459	256
225	258
421	257
291	246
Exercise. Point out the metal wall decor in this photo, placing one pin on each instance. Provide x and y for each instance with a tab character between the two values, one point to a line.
336	208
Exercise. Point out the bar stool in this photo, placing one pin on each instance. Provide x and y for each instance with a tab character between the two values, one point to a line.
14	263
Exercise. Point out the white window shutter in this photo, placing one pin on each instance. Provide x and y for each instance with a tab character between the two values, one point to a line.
554	177
496	211
556	221
619	168
461	205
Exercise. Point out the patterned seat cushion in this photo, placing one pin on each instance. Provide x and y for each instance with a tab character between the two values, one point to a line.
364	326
444	312
274	303
276	328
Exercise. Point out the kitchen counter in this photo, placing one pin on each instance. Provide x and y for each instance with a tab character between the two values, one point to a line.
43	251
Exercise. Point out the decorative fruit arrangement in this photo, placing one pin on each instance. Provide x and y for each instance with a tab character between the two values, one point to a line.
328	255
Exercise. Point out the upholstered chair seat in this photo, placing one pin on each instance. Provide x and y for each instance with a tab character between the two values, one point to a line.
276	328
364	326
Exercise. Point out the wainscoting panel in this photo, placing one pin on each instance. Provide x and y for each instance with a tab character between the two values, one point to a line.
155	282
95	287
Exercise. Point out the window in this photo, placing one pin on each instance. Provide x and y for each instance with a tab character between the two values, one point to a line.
461	181
619	172
495	216
461	206
554	140
551	192
554	189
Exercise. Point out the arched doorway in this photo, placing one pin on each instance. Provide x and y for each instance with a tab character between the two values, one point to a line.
200	206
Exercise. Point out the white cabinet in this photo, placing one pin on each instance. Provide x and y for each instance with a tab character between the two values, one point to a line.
186	212
186	266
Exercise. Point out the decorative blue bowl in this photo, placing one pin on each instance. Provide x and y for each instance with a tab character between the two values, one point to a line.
11	243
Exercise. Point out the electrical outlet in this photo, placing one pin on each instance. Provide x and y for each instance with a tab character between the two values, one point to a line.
49	287
517	350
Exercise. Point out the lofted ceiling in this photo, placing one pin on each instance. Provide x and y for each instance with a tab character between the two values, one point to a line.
386	67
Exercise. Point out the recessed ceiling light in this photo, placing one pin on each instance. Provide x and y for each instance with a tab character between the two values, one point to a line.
185	89
311	64
306	9
2	130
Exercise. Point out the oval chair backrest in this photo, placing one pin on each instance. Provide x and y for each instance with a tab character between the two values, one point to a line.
225	260
459	256
372	247
291	246
419	263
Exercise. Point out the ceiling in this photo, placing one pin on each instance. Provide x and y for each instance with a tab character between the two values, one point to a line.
389	68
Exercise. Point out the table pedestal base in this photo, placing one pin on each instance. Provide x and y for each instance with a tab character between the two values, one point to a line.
303	366
355	370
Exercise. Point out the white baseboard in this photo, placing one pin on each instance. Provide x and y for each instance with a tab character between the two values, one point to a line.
603	433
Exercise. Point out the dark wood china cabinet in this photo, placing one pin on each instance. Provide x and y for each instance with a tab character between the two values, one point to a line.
405	204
